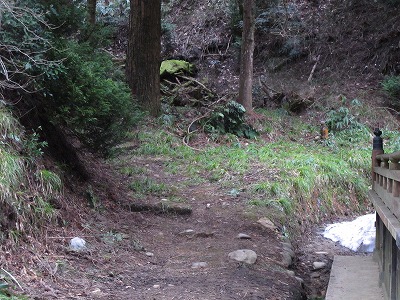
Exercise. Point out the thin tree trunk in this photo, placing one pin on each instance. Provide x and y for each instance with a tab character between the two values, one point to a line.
147	54
246	60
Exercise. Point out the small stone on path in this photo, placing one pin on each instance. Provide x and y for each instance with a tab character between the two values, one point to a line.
243	236
267	223
198	265
187	232
149	254
291	273
287	259
315	275
244	255
318	265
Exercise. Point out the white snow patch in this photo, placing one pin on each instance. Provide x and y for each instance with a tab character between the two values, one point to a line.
357	235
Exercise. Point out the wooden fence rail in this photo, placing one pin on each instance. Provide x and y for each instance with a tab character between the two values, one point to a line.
385	196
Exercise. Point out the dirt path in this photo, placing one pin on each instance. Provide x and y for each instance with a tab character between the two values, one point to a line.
147	256
159	254
160	251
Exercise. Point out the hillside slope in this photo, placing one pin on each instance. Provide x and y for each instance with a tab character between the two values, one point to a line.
350	45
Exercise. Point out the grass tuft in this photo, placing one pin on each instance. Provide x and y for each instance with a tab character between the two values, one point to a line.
25	190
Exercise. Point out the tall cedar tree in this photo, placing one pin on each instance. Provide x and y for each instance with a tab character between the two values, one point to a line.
144	53
246	60
130	51
91	6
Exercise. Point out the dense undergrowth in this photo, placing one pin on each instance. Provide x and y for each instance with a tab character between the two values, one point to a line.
28	190
27	187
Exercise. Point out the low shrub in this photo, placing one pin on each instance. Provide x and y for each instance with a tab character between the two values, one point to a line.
230	119
391	86
343	117
84	96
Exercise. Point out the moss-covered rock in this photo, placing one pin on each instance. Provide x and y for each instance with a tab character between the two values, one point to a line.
176	67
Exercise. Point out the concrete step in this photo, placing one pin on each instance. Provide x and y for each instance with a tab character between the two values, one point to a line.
354	278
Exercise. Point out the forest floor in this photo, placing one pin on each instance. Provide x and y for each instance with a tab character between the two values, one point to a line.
156	249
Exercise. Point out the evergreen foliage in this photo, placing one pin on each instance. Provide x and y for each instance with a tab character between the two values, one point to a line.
46	46
86	98
391	86
342	118
86	92
230	119
24	41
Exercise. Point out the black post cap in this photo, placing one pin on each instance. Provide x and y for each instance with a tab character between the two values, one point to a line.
377	141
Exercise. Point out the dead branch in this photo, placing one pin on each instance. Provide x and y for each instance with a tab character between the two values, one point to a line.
15	60
313	69
229	43
198	119
187	145
13	278
263	84
196	81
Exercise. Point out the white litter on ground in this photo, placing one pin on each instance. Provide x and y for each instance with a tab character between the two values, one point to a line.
357	235
77	244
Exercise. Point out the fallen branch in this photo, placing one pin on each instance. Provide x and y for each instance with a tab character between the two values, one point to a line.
229	43
13	278
203	116
159	209
196	81
313	69
267	87
388	108
196	120
187	145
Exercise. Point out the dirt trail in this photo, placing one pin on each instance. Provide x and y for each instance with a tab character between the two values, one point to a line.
156	255
116	265
160	251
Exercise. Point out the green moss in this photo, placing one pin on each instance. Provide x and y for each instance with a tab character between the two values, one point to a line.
174	66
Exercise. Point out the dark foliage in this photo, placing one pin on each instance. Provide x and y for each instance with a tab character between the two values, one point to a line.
230	119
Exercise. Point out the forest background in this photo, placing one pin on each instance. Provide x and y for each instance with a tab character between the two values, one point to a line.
80	85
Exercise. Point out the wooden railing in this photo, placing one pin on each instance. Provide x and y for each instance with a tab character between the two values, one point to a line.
385	196
387	181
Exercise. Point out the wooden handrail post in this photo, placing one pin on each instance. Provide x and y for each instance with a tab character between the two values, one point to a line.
377	148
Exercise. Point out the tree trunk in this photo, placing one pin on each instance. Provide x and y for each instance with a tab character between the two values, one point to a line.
147	53
91	6
129	65
1	13
246	60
